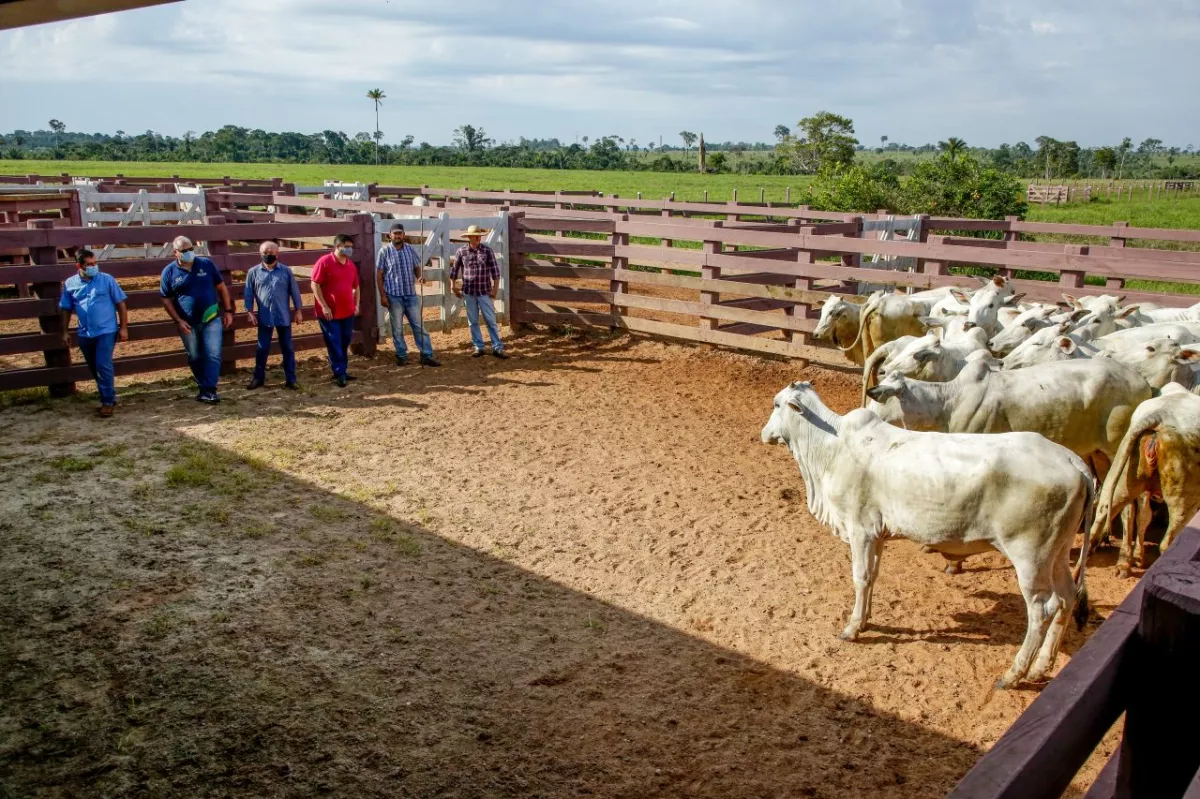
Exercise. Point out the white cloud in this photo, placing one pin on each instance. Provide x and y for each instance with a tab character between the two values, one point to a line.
673	23
1041	27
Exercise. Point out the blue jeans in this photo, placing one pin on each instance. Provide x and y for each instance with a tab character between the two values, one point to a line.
337	333
98	352
408	306
483	303
203	347
264	349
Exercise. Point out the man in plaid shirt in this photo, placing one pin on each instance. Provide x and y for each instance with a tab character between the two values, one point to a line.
476	279
397	271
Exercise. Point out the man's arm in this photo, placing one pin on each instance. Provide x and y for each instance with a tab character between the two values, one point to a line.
248	297
383	298
123	316
66	303
455	271
493	273
168	302
297	302
418	273
226	305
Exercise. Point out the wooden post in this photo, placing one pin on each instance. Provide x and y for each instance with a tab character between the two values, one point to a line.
516	260
787	194
619	263
667	213
710	273
218	250
1158	756
1116	241
366	246
1072	279
853	259
929	267
558	206
801	310
51	323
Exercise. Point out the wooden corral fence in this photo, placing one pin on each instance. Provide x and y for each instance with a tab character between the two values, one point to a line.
1141	662
757	286
233	247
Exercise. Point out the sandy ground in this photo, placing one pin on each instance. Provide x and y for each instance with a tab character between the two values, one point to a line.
575	573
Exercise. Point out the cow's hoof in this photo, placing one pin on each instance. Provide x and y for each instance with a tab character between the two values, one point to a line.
1122	572
954	567
928	550
849	634
1006	682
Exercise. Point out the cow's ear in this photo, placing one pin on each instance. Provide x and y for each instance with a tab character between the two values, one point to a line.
999	281
797	407
1188	356
1128	310
1066	344
1013	300
932	321
1078	314
960	295
983	281
1072	300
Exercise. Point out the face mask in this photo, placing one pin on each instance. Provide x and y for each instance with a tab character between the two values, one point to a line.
187	257
347	251
91	271
269	259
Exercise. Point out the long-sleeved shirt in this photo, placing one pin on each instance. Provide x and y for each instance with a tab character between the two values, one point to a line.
478	269
271	289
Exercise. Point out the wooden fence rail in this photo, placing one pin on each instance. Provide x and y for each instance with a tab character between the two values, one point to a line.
1141	662
46	272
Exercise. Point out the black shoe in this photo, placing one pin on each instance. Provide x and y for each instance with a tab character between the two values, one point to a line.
209	398
253	384
402	361
292	386
477	354
340	380
351	377
501	354
430	361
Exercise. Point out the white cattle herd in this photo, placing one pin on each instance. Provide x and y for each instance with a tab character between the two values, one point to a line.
992	423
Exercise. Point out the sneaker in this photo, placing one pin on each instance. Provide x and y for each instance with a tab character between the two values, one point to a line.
105	411
253	384
209	398
402	360
292	386
430	361
340	380
501	354
477	354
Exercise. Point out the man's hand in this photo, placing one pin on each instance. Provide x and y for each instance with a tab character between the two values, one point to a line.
227	320
328	314
383	300
123	333
492	294
458	293
297	316
253	319
183	326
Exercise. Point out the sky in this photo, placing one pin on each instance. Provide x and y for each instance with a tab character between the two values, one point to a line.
916	71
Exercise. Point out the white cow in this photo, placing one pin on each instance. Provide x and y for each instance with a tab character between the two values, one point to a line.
886	317
1149	315
1183	332
983	307
1159	455
1017	493
1024	325
937	356
839	323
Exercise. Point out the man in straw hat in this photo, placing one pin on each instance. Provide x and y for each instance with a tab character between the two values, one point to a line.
476	278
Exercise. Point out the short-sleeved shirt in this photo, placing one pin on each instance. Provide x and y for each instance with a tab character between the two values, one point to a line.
338	282
271	289
193	290
398	265
477	268
94	303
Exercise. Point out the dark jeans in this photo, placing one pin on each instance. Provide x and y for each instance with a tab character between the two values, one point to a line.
98	352
337	333
264	349
203	346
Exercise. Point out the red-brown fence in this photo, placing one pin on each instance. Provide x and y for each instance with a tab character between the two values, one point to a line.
764	299
1141	662
233	248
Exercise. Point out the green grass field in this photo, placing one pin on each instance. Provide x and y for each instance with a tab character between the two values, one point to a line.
1174	212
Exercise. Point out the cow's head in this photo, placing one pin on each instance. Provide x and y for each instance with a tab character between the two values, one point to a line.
985	304
834	309
1164	361
775	431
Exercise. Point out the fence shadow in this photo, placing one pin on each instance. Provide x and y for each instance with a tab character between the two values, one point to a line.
178	619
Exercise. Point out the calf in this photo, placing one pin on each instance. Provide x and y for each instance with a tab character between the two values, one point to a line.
1017	493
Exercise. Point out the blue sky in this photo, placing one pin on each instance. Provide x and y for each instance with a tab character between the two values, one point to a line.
914	70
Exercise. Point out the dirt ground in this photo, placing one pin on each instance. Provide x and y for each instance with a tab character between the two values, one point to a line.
574	573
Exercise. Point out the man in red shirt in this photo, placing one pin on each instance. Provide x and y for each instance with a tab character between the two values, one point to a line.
335	286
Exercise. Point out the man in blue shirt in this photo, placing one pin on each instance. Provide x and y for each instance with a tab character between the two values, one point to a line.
195	296
97	301
397	271
272	285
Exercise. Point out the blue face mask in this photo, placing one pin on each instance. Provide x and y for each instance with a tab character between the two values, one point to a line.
187	257
91	271
347	252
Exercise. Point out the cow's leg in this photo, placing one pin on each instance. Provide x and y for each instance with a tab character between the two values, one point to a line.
1064	593
1129	522
1144	515
1039	606
1178	516
862	564
876	555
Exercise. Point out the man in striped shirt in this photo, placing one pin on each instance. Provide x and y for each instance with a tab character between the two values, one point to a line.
397	273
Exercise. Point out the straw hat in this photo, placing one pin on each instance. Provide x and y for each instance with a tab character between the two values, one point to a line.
473	230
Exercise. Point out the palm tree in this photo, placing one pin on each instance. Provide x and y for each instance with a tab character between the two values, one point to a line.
953	147
58	128
378	96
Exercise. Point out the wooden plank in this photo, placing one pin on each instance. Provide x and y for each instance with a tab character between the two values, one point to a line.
566	247
560	318
557	270
726	287
753	343
161	234
726	312
562	294
152	267
531	223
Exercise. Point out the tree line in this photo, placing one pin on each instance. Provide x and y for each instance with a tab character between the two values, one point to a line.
817	141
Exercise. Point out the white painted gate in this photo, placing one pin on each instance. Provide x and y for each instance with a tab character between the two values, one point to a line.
890	228
438	234
189	209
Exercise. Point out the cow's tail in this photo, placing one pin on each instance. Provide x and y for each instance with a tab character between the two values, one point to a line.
868	308
1089	514
871	369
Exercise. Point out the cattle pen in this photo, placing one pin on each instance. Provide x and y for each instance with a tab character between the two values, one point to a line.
558	623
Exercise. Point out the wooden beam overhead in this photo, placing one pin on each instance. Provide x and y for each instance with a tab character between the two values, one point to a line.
22	13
